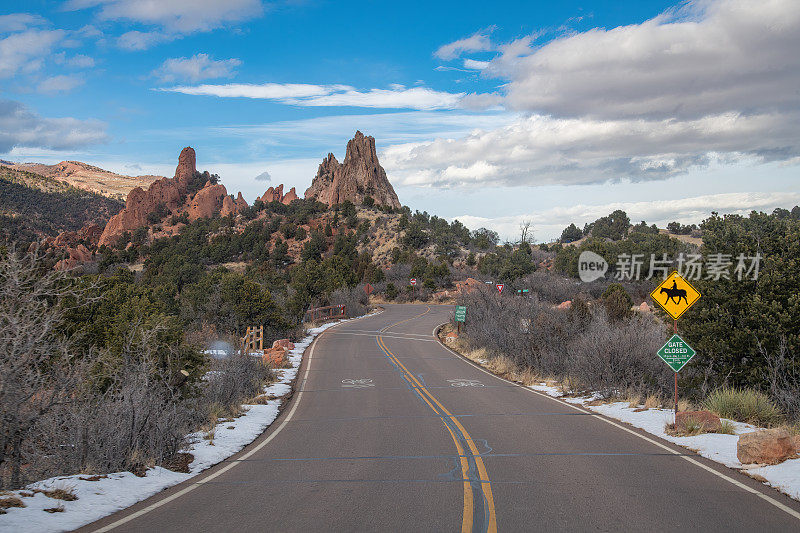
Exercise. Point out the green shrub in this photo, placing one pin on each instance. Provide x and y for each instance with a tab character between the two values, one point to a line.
744	405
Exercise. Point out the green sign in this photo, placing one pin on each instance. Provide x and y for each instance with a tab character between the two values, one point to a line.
676	353
461	313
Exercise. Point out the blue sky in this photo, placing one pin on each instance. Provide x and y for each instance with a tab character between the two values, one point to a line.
490	112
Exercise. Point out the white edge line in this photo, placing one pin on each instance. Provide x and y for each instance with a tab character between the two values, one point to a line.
232	464
599	416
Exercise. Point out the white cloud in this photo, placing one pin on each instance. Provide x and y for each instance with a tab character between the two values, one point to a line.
477	42
57	84
308	95
172	19
21	127
20	21
471	64
712	80
196	68
80	61
25	51
713	56
540	150
549	223
142	40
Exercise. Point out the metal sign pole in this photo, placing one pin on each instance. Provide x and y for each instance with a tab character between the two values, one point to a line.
675	330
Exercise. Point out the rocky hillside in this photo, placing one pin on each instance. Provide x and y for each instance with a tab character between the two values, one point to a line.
33	207
88	177
360	175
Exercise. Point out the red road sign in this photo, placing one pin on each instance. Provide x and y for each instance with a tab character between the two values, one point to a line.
500	287
413	281
368	289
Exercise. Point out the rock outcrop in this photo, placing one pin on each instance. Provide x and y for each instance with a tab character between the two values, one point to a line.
165	193
77	256
358	176
276	195
208	201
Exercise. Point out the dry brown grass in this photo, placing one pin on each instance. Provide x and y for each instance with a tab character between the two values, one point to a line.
634	400
8	502
652	402
685	405
64	493
57	509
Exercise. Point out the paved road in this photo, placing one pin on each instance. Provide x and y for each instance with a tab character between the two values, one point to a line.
393	432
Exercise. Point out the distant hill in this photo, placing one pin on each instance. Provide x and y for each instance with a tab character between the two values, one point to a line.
33	206
88	177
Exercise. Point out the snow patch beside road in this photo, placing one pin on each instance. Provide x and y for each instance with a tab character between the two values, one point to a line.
96	499
718	447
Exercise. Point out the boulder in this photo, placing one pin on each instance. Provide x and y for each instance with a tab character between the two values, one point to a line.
707	419
358	176
467	286
768	446
284	344
564	305
274	357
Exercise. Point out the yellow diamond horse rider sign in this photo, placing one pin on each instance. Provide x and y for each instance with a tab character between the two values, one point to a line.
675	295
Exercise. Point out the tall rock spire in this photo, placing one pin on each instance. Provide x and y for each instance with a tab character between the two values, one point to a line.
358	176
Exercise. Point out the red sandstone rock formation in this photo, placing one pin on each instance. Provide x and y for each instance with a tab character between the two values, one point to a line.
360	175
276	195
140	203
290	197
208	201
77	255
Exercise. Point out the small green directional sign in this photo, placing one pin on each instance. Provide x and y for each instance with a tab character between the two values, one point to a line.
461	313
676	353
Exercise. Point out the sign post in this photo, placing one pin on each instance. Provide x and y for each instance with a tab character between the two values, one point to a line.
675	295
368	289
413	282
461	316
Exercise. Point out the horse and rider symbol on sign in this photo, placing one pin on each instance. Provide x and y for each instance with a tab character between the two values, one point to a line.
675	295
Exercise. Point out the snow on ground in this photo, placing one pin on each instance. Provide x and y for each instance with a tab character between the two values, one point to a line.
715	446
119	490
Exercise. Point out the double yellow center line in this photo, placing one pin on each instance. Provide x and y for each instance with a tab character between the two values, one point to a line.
472	487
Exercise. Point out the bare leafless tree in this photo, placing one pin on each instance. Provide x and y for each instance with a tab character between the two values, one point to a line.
525	231
38	370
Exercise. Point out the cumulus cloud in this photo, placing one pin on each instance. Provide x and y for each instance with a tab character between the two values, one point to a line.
80	61
58	84
713	79
541	150
308	95
171	18
196	68
710	57
477	42
21	127
25	51
20	21
549	223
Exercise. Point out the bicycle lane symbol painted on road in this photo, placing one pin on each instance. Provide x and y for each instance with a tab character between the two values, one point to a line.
357	383
465	383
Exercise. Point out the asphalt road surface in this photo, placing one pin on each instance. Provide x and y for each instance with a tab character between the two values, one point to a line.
393	432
